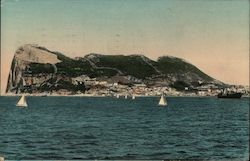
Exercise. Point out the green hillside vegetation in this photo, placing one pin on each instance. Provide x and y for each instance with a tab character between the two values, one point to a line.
133	65
179	85
129	65
71	67
172	65
37	68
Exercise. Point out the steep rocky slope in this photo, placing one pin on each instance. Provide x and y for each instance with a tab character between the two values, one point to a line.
36	69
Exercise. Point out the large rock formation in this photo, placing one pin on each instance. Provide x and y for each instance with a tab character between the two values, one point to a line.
24	56
35	69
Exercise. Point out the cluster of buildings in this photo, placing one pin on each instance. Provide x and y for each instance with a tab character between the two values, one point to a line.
121	85
128	85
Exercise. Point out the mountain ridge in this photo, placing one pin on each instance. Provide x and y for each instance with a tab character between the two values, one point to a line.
31	62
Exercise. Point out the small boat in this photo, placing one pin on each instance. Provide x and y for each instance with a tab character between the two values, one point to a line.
126	97
133	97
117	96
22	102
163	101
229	95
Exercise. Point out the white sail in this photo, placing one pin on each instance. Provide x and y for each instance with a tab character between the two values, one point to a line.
22	102
126	96
117	96
133	97
163	101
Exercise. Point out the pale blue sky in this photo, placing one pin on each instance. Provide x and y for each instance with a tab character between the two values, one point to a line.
212	34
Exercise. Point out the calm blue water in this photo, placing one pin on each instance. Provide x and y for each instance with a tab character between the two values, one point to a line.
110	128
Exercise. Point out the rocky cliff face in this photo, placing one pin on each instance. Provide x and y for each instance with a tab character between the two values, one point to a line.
24	56
36	69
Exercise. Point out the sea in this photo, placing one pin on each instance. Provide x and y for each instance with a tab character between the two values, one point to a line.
70	128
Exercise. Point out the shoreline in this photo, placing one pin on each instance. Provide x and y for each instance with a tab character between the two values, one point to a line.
121	96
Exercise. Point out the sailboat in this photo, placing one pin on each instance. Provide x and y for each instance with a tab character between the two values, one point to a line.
133	97
163	101
117	96
126	96
22	102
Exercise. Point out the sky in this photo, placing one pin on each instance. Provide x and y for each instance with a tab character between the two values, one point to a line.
213	35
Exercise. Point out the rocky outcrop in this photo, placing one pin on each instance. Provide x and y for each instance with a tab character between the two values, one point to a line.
24	56
36	69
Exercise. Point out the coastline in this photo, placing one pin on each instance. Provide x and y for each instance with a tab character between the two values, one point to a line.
121	96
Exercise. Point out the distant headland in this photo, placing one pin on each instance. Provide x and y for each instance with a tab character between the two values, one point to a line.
36	70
